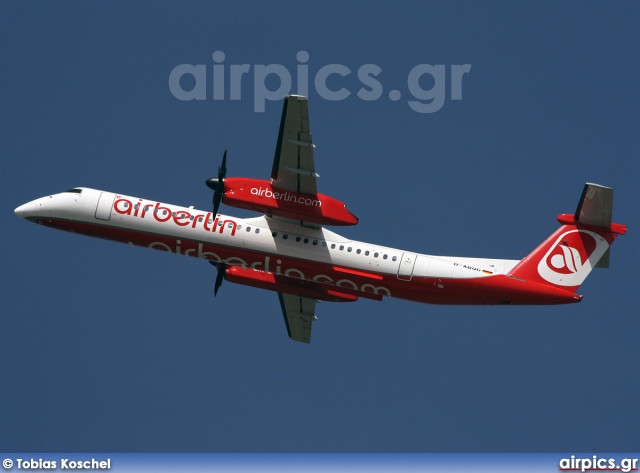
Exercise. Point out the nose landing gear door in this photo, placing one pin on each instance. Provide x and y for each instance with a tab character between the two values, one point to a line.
105	204
405	269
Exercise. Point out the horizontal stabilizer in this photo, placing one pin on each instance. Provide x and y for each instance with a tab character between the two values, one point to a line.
596	206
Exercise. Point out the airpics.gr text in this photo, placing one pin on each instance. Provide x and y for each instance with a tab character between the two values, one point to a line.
333	82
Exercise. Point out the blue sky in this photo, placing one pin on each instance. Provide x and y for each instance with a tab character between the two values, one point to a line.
108	348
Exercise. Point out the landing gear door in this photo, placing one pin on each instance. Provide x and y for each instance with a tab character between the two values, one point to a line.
105	204
405	269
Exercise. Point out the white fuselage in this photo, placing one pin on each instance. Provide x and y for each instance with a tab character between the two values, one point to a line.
273	245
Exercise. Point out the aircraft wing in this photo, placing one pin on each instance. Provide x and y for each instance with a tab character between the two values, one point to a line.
293	167
299	314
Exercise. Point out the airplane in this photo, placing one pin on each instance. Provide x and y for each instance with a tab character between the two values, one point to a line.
290	251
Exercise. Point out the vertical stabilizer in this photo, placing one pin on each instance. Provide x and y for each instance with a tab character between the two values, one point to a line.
582	243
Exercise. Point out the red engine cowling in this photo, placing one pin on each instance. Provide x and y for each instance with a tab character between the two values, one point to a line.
261	196
288	285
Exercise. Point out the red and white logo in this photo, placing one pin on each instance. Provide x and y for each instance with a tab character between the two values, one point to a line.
571	257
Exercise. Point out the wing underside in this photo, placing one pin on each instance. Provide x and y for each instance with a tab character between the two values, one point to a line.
293	166
299	314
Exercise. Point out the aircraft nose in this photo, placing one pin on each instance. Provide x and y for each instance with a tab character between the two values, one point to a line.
22	210
26	210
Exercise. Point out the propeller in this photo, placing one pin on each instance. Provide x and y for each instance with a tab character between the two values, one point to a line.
216	184
221	267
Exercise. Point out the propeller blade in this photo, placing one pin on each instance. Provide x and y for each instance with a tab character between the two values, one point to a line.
217	197
217	184
219	277
222	172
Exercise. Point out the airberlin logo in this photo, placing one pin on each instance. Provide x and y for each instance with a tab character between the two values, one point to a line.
571	257
285	196
181	218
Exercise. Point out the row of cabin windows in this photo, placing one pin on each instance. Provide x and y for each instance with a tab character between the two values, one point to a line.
247	229
366	253
285	236
305	240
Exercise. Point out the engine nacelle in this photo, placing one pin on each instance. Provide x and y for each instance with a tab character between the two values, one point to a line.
287	285
259	195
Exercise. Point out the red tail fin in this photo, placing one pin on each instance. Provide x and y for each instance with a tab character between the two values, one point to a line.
567	257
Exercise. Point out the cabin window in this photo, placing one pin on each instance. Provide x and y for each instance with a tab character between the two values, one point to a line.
164	212
366	253
341	247
375	255
349	250
257	230
358	251
315	242
306	240
285	236
333	245
174	214
137	206
298	239
274	234
394	258
192	217
248	229
384	257
324	244
230	225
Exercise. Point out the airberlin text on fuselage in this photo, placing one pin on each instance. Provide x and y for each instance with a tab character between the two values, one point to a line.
184	218
266	266
286	196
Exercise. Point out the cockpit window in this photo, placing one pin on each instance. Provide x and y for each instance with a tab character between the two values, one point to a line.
75	191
